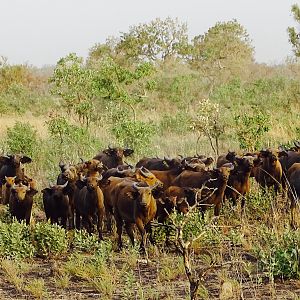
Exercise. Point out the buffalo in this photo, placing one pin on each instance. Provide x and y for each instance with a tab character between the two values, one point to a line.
113	157
57	206
20	202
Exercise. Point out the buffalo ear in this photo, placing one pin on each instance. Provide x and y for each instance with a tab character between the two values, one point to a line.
282	153
128	152
32	192
80	184
47	191
26	160
5	159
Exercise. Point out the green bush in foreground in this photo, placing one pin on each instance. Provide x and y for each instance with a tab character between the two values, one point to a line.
278	254
49	240
15	240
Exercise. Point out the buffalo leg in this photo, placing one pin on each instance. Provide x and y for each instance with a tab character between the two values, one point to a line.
100	223
140	225
119	223
217	209
64	222
77	221
129	230
149	230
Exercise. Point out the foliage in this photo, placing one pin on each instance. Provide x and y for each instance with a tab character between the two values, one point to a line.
22	138
178	123
279	254
134	134
49	240
15	240
294	37
157	40
251	129
223	51
72	81
84	242
208	122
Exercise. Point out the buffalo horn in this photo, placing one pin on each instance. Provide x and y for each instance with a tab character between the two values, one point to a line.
144	171
297	144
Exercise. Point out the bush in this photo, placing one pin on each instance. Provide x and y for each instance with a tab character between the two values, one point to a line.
84	242
251	129
49	240
279	254
134	134
15	240
22	138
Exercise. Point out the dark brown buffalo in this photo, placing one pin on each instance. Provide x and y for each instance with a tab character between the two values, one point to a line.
20	202
69	174
134	205
293	176
57	206
113	157
226	158
11	165
89	204
215	182
159	164
238	184
269	173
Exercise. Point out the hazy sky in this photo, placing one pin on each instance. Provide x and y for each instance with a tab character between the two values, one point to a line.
39	32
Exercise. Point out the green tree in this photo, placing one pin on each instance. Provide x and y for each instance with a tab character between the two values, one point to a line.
73	81
157	40
222	52
209	122
294	35
118	83
251	129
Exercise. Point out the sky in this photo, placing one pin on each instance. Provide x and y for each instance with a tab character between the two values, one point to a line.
40	32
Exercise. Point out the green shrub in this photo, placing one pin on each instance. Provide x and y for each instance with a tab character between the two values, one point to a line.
134	134
84	242
251	129
15	240
49	240
22	138
278	254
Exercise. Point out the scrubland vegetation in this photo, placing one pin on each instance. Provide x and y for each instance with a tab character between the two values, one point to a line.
154	90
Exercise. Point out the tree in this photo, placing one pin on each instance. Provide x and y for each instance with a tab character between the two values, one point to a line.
117	83
294	36
222	52
208	122
73	81
157	40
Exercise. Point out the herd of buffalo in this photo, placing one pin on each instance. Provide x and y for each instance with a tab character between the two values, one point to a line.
106	188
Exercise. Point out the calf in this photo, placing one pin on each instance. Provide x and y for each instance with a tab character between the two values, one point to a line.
89	204
238	184
6	188
57	206
20	202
